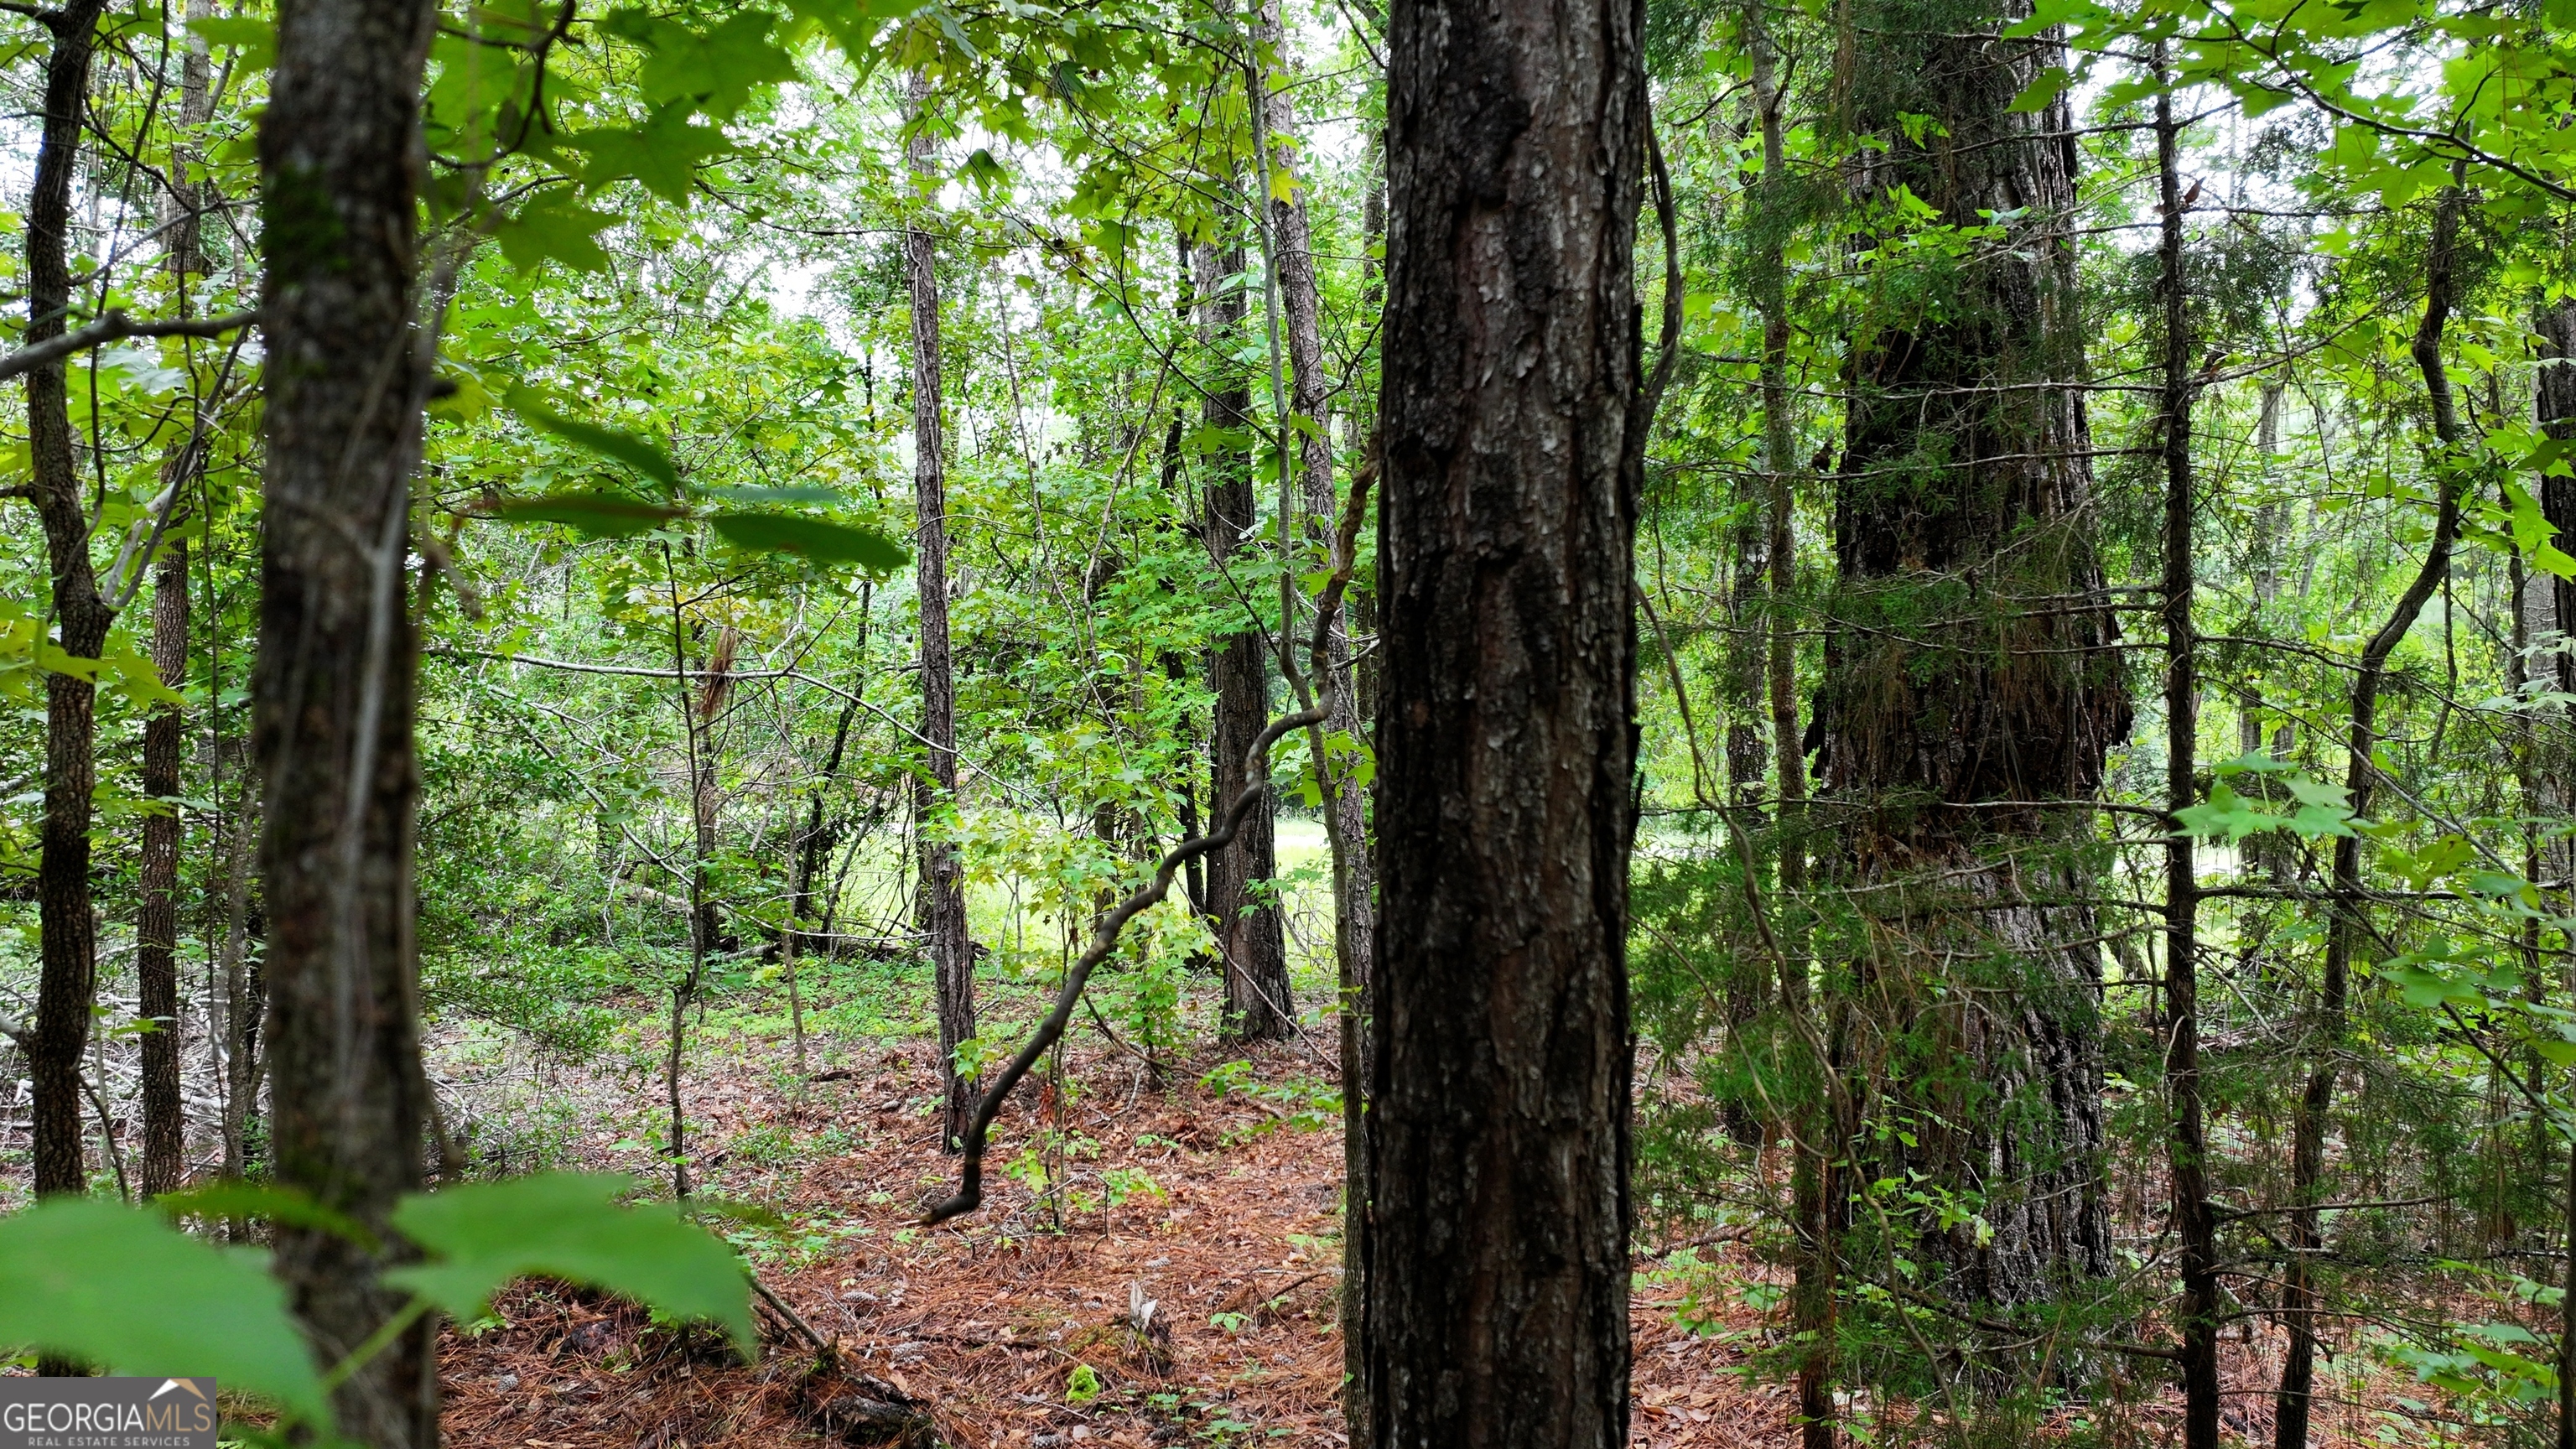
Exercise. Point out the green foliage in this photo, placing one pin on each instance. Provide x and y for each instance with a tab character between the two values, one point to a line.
118	1287
1081	1385
480	1236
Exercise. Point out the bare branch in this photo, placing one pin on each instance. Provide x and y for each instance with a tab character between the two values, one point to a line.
1104	939
111	327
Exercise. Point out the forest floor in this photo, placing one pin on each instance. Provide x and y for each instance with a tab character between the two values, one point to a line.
1010	1325
1216	1197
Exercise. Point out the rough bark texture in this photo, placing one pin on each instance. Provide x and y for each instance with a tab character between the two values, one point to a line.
334	691
68	940
1498	1128
2187	1141
2556	412
1246	915
1962	505
156	928
942	903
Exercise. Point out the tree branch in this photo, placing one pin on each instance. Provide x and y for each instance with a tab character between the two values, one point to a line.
1104	939
111	327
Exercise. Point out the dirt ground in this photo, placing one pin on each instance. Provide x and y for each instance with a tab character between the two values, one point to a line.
1210	1216
1013	1326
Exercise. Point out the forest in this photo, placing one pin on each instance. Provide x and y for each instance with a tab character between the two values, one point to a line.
1390	723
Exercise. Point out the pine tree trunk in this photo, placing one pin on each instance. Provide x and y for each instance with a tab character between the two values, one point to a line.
68	935
941	908
333	696
2187	1141
1239	878
1965	498
1498	1125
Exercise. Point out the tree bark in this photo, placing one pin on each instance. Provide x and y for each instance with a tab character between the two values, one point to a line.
333	698
2567	1310
1965	491
156	933
2299	1297
1250	938
2555	406
157	920
697	717
2187	1143
1513	423
1358	1036
68	933
941	908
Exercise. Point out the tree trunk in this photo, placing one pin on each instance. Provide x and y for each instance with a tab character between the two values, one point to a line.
1513	425
2187	1142
1358	1036
1345	799
156	932
2555	406
1301	301
1812	1297
2299	1297
1249	934
157	921
817	838
2267	853
697	718
245	997
68	936
333	700
2567	1310
941	905
1964	496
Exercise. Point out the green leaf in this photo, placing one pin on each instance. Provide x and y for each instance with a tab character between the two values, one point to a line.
119	1287
793	493
136	677
275	1202
2254	761
823	542
255	39
986	174
600	515
2044	88
719	69
641	454
664	153
568	1225
2426	988
2226	814
554	227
